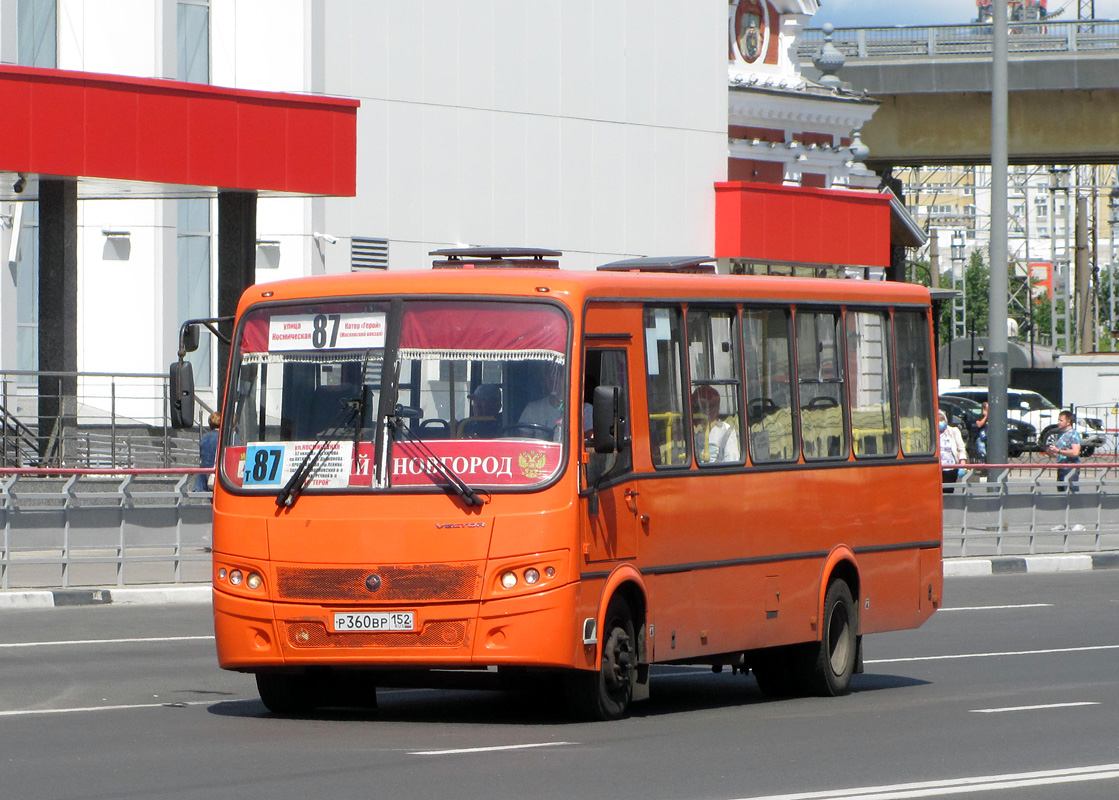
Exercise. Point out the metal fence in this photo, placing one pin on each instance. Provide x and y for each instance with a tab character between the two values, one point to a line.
108	420
964	40
1013	509
70	527
73	528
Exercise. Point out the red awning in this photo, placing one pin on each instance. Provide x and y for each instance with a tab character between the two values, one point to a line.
85	125
772	223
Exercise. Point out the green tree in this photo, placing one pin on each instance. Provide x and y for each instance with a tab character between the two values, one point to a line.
977	285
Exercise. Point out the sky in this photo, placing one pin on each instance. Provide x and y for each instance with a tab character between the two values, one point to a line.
884	13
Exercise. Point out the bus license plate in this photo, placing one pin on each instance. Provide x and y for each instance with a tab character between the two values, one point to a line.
375	621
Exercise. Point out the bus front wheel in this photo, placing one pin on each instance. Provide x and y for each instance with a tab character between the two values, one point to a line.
288	692
606	693
826	667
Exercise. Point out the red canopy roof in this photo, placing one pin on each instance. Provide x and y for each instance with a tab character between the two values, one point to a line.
85	125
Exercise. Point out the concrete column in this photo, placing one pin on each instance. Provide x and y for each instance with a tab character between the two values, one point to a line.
58	309
236	261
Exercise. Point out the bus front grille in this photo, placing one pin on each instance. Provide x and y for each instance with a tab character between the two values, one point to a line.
389	584
438	633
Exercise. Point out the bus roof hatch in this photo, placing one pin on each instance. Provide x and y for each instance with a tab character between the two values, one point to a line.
489	257
689	264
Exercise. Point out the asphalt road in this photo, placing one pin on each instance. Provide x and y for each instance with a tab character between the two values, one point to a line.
1011	691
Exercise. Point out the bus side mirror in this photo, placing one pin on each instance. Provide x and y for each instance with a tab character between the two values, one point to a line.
606	421
182	393
188	339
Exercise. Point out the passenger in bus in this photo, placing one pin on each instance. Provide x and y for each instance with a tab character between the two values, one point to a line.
485	406
716	440
545	412
952	452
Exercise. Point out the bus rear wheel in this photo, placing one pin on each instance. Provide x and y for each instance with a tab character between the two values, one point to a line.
826	667
288	693
606	693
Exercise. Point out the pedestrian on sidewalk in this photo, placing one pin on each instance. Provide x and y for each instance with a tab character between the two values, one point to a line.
1066	449
208	452
952	452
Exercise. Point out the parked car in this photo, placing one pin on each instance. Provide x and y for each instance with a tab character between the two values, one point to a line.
963	412
1033	409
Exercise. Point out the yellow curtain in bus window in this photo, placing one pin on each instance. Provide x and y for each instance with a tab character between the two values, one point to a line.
326	331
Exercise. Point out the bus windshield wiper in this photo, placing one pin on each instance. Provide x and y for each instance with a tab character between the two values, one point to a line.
291	490
469	495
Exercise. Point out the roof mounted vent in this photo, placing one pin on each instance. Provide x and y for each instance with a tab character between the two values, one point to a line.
696	265
500	257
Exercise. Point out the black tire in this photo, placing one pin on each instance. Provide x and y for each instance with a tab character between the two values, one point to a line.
1087	451
825	667
774	671
1048	436
606	693
288	693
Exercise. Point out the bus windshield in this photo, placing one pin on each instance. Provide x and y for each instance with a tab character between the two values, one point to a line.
479	386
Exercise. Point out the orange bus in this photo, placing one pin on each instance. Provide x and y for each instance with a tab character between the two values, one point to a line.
498	465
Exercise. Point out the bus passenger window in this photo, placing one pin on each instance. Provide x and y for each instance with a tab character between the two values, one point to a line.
769	396
915	408
820	384
870	384
713	346
668	439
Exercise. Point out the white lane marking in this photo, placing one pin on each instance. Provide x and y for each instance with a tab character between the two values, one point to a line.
1013	780
1031	708
994	655
109	641
487	749
28	712
996	608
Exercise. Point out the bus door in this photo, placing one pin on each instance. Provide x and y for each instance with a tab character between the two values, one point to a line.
613	502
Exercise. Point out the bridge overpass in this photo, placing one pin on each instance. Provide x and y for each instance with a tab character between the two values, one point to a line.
935	88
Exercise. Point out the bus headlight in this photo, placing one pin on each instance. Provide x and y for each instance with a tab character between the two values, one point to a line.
508	579
254	580
235	577
531	576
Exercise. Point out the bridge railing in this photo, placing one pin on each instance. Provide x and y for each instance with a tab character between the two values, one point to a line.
963	40
1014	509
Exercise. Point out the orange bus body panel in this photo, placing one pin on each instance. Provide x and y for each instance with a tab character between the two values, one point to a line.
724	561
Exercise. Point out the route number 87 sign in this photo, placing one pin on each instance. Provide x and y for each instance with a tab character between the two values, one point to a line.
326	331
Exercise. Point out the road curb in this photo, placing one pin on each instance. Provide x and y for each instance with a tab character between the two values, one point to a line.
1020	565
121	596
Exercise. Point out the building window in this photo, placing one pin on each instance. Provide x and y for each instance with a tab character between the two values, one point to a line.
194	278
193	31
27	292
37	33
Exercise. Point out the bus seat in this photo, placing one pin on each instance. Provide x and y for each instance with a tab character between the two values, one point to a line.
435	429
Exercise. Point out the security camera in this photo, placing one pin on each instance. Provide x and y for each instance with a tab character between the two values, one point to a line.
326	237
20	184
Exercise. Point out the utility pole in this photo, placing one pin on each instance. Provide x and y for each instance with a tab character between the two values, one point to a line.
1084	328
997	378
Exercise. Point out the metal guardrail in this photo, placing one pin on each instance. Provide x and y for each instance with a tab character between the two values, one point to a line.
1011	509
1083	37
75	527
